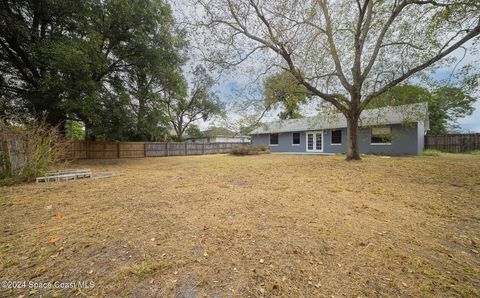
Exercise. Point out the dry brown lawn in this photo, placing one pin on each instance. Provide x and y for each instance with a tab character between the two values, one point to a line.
269	225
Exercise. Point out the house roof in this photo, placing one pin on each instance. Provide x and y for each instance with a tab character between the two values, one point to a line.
387	115
218	136
218	132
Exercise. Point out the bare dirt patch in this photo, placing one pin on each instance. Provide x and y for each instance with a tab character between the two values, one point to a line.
268	225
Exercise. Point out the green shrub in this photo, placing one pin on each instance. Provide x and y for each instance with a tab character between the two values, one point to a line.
243	150
248	150
431	152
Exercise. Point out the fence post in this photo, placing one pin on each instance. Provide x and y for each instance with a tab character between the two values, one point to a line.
203	148
186	148
6	153
166	148
118	149
87	149
145	149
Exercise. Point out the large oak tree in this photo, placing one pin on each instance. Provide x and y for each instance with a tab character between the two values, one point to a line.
345	52
100	62
201	103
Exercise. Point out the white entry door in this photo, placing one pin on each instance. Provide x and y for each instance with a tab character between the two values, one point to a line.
315	141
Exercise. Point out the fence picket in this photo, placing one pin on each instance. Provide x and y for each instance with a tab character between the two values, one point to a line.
453	142
102	150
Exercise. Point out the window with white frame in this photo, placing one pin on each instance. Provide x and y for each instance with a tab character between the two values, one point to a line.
336	137
274	139
296	138
381	135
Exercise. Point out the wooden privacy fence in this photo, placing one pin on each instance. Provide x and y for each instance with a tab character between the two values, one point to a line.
453	142
83	149
12	153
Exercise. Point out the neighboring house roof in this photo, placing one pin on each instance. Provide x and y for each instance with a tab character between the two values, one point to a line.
218	136
388	115
217	132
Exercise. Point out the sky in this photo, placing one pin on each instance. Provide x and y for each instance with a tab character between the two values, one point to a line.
469	123
231	86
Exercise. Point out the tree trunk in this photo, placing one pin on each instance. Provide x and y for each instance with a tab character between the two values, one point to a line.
89	136
141	118
352	141
142	96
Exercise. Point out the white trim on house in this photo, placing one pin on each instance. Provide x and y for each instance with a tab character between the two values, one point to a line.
269	139
299	138
314	133
341	137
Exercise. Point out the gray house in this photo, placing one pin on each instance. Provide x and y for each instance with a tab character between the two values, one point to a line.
390	130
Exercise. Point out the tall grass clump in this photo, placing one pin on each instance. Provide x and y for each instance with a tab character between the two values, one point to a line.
28	150
431	152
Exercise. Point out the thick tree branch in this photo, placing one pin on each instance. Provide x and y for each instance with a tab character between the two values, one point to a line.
378	44
473	33
333	48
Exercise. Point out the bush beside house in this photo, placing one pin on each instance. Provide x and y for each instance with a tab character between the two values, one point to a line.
250	150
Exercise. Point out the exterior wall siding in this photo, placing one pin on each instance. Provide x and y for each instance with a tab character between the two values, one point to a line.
284	142
405	140
327	142
219	140
420	138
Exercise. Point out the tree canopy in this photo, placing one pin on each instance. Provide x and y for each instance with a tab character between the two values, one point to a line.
201	104
194	131
344	52
110	64
445	104
283	89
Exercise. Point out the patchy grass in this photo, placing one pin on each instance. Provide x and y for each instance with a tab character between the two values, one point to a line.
431	152
146	269
262	225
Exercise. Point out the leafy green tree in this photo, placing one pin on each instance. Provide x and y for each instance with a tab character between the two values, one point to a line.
448	105
75	130
155	74
445	104
284	89
194	131
201	103
70	59
117	122
29	30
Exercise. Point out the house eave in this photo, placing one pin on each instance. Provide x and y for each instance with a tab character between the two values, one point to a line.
327	128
